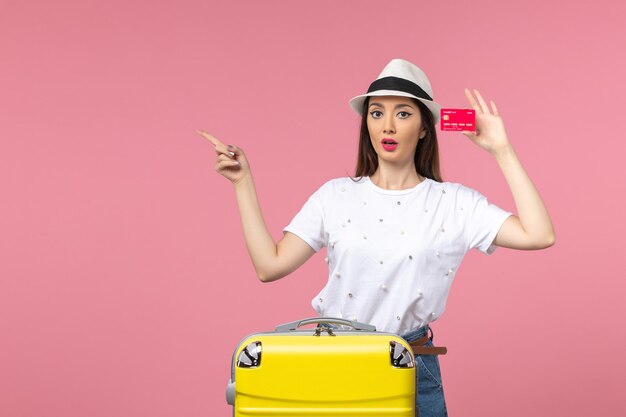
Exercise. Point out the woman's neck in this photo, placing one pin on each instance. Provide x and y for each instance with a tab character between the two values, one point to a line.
392	178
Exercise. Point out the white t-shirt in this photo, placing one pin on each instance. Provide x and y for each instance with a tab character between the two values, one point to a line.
392	254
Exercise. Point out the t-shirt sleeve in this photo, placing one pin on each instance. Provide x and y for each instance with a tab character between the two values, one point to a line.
483	222
308	224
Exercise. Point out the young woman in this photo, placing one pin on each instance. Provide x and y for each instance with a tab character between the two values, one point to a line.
397	233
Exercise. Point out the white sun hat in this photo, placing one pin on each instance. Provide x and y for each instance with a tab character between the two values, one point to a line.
400	78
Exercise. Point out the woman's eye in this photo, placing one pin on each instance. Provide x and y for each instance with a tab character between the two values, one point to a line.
376	114
404	114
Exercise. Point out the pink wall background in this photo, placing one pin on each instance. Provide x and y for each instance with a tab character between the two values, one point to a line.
125	283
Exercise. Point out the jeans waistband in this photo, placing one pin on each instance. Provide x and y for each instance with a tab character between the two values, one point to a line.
417	333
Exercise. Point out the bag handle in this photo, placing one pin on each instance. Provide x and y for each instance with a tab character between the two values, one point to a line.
289	327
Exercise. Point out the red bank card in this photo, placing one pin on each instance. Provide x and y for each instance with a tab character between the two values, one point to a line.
458	119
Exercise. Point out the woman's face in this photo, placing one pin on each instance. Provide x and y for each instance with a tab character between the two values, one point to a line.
395	125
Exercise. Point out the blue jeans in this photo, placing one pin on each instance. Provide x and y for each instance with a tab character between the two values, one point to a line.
429	401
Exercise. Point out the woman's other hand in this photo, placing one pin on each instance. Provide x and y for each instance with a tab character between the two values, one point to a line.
490	134
271	261
231	161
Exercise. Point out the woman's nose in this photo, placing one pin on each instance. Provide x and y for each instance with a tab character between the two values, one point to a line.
389	126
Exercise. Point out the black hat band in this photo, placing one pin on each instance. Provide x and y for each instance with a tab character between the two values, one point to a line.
399	84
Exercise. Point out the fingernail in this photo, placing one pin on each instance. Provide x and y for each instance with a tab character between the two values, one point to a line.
230	146
232	153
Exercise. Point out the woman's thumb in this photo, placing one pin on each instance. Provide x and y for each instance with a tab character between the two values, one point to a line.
468	134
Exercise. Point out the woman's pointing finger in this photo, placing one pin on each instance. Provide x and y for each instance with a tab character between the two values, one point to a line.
220	148
210	138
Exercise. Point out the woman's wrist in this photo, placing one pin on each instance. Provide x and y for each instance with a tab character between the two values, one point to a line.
503	152
243	182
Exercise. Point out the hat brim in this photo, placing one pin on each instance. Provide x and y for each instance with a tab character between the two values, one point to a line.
356	103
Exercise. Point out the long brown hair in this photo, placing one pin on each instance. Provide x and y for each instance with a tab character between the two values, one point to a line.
426	154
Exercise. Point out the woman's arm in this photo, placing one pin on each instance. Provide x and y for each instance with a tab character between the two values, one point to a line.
271	261
532	227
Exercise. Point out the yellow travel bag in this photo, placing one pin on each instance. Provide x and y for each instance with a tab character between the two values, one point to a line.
339	368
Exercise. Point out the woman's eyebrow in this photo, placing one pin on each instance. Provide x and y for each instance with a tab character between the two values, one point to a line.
397	105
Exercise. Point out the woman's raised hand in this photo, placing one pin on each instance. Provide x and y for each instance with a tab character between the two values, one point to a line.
490	134
231	161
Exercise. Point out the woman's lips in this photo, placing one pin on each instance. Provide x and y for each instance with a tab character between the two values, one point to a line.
389	144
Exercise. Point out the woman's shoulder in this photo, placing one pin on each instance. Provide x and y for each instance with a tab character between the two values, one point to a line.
459	190
335	187
342	184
